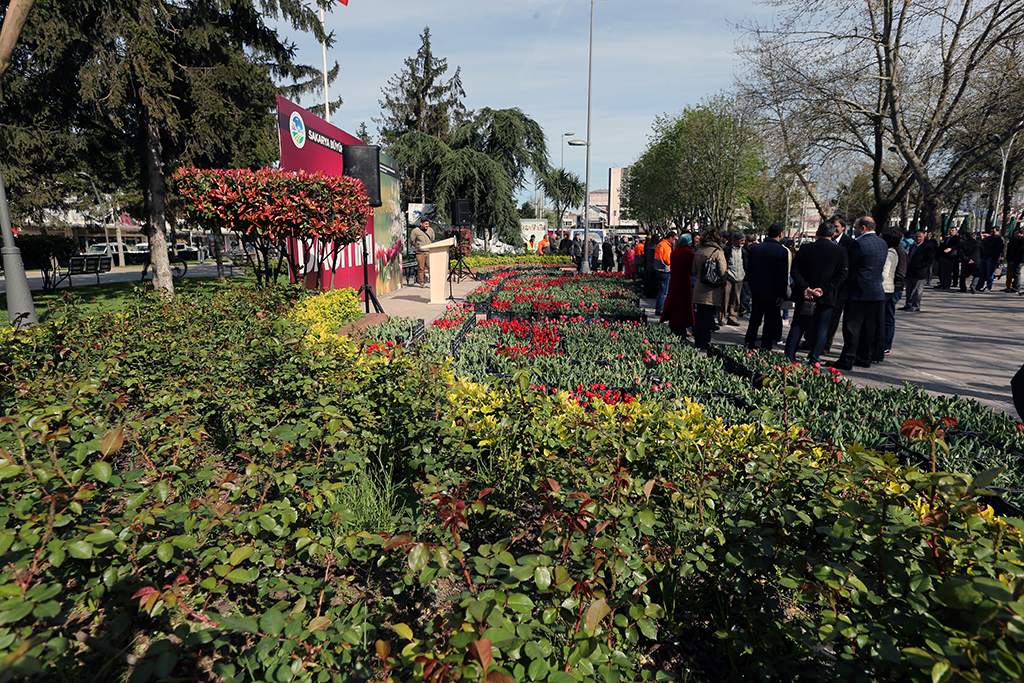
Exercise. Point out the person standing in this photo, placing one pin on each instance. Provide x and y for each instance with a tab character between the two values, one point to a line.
843	238
707	297
544	246
768	274
920	257
1014	259
970	255
819	269
896	268
736	272
663	269
949	259
991	252
577	251
607	257
421	237
678	307
864	295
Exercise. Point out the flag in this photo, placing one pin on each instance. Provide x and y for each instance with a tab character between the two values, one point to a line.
344	2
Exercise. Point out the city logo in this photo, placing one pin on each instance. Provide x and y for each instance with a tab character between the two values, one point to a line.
298	130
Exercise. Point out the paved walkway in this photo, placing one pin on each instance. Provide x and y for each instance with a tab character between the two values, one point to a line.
969	345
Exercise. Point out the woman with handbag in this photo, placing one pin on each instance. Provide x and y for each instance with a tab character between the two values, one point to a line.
709	266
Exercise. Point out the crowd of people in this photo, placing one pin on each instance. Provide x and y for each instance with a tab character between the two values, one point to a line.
848	277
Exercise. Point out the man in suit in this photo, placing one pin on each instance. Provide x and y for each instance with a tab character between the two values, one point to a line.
864	295
920	258
768	275
819	270
843	238
949	259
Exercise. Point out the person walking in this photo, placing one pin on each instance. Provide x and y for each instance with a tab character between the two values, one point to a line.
663	268
678	307
819	270
421	237
864	295
768	274
991	253
707	294
921	256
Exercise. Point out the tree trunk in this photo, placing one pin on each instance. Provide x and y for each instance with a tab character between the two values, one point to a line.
14	21
929	213
155	195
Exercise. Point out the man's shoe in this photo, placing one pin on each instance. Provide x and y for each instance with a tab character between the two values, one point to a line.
862	363
840	366
733	323
973	290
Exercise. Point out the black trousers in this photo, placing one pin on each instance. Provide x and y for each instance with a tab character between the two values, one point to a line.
948	268
771	314
860	318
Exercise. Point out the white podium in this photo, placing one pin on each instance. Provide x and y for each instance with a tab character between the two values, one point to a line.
438	260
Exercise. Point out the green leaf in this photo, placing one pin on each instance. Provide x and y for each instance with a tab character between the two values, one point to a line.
520	602
80	549
272	622
941	672
542	577
318	623
419	556
538	669
239	575
246	624
102	536
240	555
165	552
102	471
987	477
648	628
997	590
403	631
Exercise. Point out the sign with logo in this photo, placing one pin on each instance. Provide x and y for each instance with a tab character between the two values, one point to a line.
308	143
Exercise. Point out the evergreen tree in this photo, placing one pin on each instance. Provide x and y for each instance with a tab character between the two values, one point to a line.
419	100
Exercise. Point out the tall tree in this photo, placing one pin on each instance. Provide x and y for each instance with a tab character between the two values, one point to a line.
889	79
699	166
565	189
164	83
419	99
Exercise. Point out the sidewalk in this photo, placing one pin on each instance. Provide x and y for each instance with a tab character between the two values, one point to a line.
414	302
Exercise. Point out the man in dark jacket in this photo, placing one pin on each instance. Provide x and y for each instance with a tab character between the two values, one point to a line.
949	259
920	258
819	269
1014	259
768	275
864	295
991	252
970	255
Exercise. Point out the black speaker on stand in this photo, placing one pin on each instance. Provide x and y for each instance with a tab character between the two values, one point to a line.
363	163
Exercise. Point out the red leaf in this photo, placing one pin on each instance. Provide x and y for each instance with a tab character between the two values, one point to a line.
480	650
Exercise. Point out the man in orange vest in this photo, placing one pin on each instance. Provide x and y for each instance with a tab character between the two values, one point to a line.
662	263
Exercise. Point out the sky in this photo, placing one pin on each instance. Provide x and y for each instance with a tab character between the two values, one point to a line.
651	57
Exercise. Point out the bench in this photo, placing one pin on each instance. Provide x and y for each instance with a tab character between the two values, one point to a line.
409	270
88	265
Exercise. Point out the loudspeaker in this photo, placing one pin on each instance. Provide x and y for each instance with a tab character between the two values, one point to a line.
363	162
461	214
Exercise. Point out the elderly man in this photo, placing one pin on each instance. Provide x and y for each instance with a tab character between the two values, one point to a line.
736	258
819	270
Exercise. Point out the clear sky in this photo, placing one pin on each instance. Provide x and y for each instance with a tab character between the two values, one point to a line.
651	57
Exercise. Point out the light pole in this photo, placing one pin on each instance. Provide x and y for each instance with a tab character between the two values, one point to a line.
20	308
106	232
585	265
1005	153
564	135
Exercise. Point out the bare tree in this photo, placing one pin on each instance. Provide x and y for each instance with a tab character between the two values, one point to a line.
887	79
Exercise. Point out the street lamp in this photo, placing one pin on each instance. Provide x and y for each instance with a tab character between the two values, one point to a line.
106	232
20	308
564	135
585	264
1005	153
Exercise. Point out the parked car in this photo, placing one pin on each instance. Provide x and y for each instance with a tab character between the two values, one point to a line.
105	249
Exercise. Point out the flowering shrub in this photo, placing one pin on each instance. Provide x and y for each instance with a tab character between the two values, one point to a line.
268	206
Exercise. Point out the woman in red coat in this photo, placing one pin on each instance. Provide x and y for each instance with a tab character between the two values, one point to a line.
678	309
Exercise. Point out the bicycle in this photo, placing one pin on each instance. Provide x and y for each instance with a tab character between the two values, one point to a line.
178	267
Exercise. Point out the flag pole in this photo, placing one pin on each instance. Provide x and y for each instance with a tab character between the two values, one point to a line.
323	46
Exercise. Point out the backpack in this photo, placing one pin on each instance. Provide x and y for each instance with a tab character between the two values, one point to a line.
709	273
